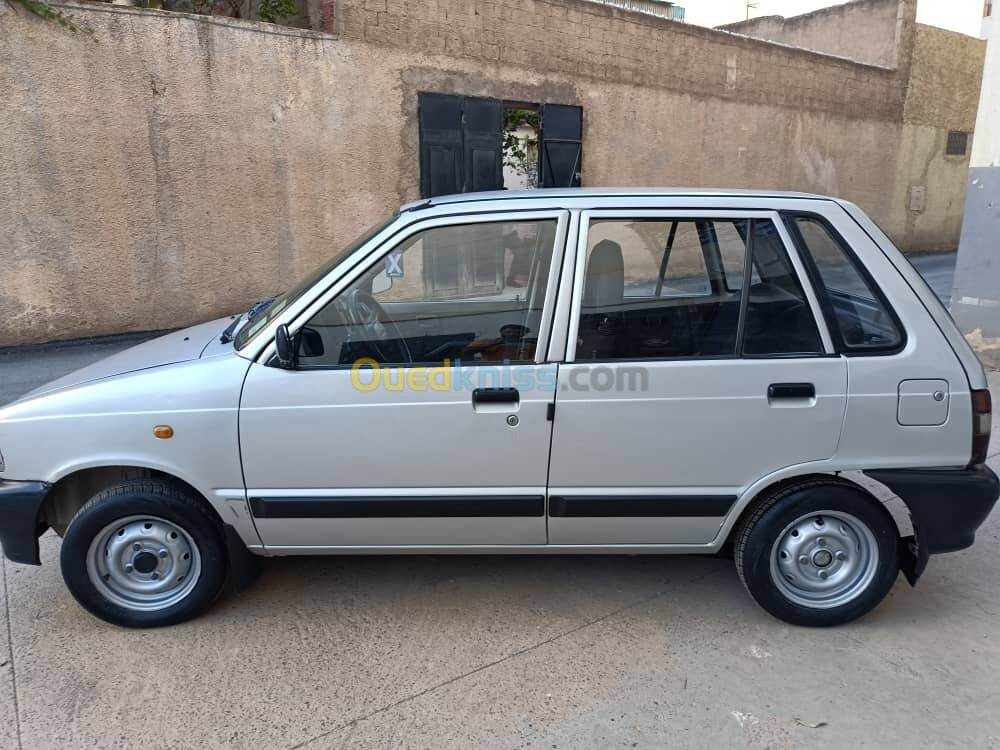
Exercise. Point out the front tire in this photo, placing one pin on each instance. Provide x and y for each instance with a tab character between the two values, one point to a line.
144	553
819	553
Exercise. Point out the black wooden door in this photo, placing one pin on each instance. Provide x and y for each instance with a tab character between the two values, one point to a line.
461	144
561	142
442	168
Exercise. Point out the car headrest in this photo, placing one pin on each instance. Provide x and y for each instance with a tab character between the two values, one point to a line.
605	281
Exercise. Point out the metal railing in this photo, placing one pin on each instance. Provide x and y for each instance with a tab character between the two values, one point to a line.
659	8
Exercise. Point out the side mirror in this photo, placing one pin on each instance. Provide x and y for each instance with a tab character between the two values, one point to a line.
310	343
284	348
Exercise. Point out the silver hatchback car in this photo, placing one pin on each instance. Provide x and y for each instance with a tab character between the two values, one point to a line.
582	371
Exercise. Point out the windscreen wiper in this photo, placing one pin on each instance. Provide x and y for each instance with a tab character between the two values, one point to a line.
256	309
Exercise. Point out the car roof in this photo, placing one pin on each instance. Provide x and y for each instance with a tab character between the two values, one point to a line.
571	194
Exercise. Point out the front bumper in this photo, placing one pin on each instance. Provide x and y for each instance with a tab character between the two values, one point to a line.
20	523
946	506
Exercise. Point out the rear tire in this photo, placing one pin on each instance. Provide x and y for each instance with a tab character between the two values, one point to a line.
144	553
820	552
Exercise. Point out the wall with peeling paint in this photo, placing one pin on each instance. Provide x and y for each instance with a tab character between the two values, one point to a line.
174	168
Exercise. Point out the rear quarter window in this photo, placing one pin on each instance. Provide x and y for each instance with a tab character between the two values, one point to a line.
858	314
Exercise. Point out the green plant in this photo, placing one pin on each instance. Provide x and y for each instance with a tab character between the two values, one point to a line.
274	10
45	11
520	153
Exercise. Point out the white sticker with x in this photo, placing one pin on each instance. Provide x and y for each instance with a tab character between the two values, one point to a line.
394	265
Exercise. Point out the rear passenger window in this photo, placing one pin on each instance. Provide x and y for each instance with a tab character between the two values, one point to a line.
656	288
860	316
779	319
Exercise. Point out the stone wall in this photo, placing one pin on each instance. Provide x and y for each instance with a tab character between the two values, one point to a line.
172	168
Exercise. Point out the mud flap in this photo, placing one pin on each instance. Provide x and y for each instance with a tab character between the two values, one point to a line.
913	558
244	566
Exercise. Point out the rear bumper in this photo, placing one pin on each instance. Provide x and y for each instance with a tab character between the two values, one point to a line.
20	525
946	506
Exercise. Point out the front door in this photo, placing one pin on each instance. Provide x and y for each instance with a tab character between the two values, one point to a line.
695	373
418	413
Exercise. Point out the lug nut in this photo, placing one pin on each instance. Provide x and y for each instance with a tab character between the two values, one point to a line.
821	542
128	567
137	546
841	555
803	560
823	574
163	553
155	576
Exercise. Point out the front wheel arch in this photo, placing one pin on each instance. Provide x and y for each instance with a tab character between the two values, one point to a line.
145	553
72	491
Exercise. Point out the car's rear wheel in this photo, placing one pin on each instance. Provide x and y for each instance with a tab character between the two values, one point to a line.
144	553
821	552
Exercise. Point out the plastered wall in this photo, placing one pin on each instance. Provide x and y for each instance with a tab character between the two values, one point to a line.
174	168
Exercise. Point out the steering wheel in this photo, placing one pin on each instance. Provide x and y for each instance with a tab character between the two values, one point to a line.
376	329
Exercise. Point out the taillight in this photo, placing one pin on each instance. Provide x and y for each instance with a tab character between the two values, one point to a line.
982	410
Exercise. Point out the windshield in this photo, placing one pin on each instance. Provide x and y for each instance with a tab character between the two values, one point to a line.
260	321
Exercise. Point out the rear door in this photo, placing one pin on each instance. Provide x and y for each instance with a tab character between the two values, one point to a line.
690	374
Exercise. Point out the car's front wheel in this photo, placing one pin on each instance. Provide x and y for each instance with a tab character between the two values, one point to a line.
144	553
822	552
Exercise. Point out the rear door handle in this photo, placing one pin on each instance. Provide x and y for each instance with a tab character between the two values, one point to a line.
495	396
791	390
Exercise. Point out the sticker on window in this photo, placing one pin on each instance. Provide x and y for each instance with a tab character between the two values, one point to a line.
394	265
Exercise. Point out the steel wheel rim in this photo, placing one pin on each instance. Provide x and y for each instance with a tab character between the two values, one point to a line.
824	559
144	563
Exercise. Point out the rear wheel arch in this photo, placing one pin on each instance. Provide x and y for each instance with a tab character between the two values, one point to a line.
802	520
769	494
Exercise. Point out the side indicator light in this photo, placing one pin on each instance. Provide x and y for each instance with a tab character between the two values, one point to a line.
163	431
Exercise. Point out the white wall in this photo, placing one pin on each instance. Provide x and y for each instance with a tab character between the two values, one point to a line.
975	301
986	143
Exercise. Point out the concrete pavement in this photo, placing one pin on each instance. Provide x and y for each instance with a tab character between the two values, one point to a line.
460	652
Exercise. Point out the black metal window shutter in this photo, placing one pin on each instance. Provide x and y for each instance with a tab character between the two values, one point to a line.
561	140
461	144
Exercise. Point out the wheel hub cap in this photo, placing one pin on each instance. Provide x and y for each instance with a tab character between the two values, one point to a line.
824	560
144	563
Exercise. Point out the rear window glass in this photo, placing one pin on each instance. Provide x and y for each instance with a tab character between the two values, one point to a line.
861	318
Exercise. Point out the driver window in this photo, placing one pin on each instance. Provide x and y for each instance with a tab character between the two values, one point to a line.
469	292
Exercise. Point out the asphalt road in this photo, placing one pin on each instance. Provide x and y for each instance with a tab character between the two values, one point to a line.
499	652
938	270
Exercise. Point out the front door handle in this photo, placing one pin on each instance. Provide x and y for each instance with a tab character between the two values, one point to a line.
791	390
495	396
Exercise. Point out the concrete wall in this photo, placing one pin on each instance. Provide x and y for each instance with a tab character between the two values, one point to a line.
975	300
943	93
864	30
174	168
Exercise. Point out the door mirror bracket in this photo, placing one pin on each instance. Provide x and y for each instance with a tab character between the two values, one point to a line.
284	348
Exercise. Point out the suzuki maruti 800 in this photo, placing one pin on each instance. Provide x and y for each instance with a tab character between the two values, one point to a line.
581	371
